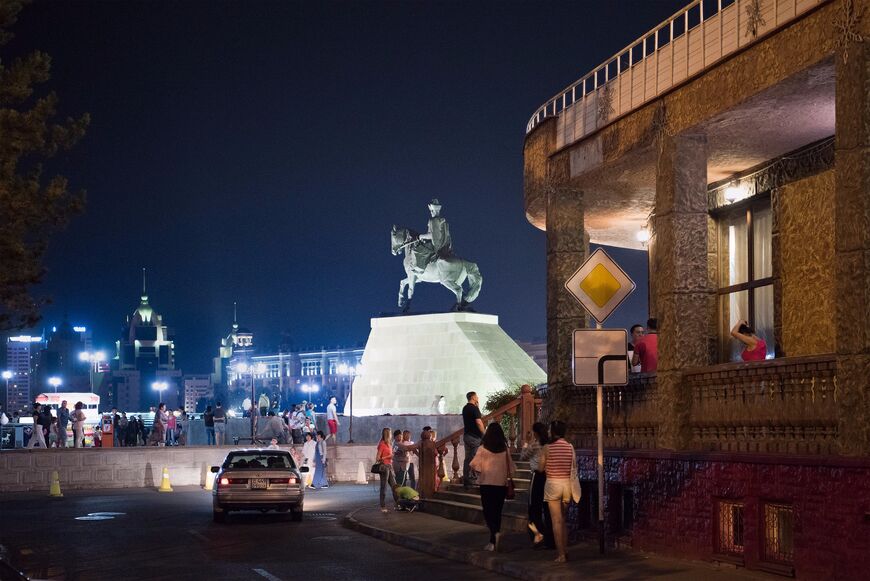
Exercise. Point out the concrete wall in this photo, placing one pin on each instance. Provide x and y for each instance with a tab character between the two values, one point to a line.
98	468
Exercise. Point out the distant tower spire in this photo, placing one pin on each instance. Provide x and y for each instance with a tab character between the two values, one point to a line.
235	318
143	281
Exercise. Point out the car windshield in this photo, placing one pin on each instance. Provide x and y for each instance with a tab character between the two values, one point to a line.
260	461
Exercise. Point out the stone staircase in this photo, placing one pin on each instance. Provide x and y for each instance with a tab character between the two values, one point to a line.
454	502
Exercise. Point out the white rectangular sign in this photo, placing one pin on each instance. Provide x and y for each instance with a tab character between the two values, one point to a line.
600	357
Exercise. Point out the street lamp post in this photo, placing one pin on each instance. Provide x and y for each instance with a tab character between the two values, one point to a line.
55	382
242	368
93	358
160	386
7	375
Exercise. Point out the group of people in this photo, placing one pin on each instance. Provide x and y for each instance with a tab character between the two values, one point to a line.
395	465
52	431
643	347
288	427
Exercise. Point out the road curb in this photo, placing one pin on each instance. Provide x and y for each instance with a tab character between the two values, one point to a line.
482	559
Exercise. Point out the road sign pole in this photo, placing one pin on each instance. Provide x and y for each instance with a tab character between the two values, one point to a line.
599	404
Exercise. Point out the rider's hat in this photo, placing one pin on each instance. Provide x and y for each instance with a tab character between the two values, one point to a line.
434	203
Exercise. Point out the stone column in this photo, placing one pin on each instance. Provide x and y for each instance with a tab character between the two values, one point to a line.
682	295
852	246
566	251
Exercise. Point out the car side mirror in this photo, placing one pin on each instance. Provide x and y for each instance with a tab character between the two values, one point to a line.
215	469
303	469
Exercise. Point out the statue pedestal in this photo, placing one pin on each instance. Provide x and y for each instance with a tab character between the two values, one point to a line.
411	361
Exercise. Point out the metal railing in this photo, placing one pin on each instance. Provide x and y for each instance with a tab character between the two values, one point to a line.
521	414
696	37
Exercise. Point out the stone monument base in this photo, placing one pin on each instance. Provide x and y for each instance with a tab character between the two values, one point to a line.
425	364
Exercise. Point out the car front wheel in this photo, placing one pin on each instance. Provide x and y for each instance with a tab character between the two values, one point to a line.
296	514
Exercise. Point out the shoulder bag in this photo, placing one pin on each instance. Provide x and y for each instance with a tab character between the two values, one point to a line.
511	491
576	491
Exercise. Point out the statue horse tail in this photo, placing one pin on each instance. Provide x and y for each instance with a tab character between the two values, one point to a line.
475	281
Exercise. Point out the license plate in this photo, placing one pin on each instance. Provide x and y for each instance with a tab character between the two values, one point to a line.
259	483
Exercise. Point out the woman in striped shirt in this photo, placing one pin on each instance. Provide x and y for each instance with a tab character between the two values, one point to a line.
556	462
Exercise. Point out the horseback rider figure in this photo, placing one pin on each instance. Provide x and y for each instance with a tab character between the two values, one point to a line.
436	242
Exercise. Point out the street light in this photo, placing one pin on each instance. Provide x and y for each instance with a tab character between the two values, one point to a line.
55	382
160	386
93	358
7	375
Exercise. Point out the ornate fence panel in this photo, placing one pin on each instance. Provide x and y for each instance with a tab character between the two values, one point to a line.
630	418
784	405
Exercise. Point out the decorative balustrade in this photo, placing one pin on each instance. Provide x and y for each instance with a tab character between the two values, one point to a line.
519	415
630	417
786	405
698	36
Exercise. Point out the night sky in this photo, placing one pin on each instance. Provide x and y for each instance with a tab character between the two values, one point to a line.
260	151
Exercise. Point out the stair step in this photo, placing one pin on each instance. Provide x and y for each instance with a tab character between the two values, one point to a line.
473	514
519	504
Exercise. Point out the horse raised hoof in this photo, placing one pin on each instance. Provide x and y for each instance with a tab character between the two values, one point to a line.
405	306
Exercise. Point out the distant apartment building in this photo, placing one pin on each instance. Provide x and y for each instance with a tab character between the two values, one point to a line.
21	354
196	387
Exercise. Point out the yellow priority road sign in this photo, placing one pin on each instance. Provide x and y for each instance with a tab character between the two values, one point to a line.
600	285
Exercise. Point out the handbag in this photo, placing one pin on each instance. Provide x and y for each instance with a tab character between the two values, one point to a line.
576	491
511	490
376	468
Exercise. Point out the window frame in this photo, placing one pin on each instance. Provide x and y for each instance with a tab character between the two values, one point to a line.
747	207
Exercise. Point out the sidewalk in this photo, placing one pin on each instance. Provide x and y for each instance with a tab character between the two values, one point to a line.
464	542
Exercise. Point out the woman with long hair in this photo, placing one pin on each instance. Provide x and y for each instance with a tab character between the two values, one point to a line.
494	467
320	479
540	525
161	418
384	460
558	462
78	418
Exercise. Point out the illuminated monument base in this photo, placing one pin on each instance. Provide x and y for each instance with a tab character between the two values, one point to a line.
410	362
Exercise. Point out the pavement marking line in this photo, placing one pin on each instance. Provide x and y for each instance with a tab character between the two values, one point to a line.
266	574
198	535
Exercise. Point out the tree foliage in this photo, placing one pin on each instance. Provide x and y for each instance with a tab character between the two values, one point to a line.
33	205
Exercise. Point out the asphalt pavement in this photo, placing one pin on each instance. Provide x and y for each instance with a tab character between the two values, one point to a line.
142	534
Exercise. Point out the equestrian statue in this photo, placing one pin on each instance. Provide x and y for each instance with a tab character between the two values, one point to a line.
429	258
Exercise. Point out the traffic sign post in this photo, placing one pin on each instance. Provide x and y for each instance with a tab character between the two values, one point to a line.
600	356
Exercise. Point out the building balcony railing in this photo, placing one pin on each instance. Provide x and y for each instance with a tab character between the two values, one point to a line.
684	45
630	416
783	405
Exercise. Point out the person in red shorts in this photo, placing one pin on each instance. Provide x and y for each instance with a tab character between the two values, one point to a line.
646	349
332	419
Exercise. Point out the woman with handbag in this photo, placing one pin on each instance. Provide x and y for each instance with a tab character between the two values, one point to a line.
558	462
540	526
494	468
384	465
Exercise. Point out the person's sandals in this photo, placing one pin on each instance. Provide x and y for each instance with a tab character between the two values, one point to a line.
384	510
489	547
561	559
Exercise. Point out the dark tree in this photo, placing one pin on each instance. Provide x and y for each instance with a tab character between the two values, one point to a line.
33	206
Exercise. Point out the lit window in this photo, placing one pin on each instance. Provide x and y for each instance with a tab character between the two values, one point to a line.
778	533
730	528
746	275
311	367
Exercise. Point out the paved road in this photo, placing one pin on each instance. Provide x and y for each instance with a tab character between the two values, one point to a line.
172	536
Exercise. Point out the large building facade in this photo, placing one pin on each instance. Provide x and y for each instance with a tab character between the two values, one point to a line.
22	352
734	137
143	369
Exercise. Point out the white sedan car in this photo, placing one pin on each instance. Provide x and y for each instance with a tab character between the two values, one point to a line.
258	480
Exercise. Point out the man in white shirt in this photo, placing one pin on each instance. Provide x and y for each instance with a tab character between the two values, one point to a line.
332	419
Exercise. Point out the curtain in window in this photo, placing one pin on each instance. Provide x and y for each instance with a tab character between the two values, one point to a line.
764	317
762	225
735	307
734	255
